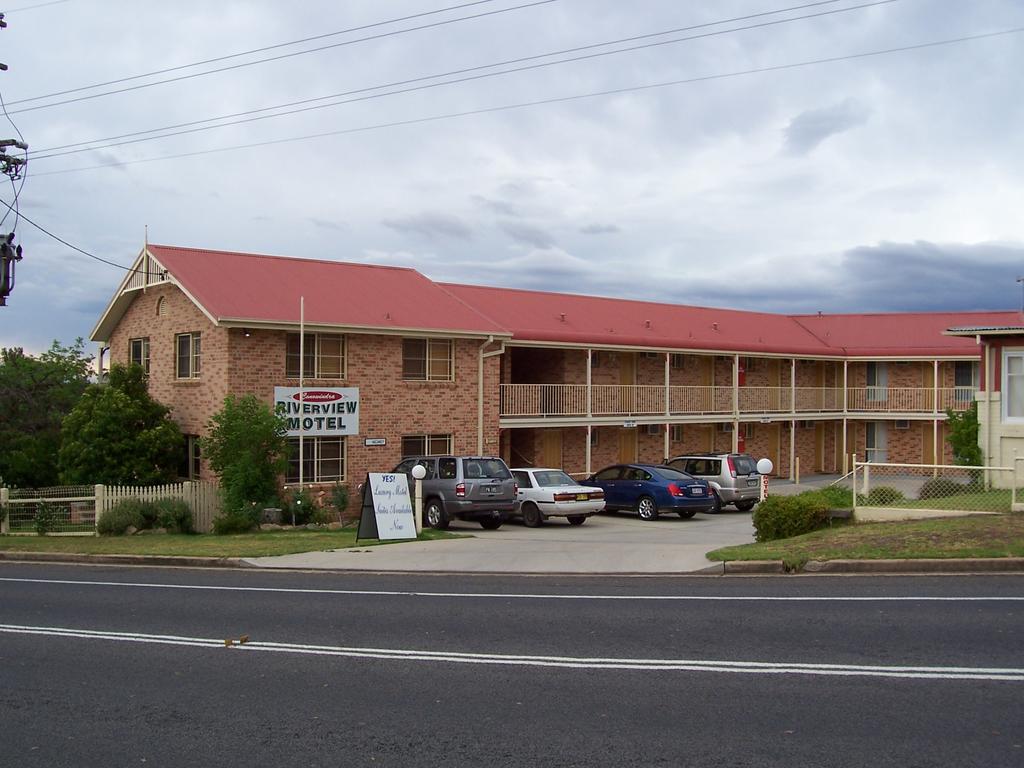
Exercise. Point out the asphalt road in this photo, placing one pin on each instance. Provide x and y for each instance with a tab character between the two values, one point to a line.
128	666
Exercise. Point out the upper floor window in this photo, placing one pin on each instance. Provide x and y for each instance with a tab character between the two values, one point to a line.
189	355
1013	385
138	352
878	382
427	360
323	356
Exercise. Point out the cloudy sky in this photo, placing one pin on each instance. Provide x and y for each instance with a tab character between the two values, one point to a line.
718	161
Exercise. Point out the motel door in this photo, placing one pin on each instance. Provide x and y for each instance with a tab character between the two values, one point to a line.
551	448
627	446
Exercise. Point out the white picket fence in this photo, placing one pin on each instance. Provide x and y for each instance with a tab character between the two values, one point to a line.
78	509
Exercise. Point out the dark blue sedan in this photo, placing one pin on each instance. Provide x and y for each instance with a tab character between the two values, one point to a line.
649	489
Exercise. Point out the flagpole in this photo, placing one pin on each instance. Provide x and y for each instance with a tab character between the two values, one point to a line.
302	373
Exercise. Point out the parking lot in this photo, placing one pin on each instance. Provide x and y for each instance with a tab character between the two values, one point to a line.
606	543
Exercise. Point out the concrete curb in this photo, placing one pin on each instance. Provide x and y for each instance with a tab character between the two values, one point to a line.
923	565
150	560
753	567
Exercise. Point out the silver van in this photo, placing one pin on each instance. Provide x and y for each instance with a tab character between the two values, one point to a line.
477	488
732	476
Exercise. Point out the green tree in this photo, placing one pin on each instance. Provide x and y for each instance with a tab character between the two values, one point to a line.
36	393
247	447
962	428
118	434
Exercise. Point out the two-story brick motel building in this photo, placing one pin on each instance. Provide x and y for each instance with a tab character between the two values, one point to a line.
539	378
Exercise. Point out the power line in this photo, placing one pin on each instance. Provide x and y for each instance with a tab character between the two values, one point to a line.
226	57
555	100
284	56
73	247
37	5
425	77
170	132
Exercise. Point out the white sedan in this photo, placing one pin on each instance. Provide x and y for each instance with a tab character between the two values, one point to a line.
545	493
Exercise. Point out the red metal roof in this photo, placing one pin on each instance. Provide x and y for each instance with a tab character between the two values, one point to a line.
903	334
243	286
562	317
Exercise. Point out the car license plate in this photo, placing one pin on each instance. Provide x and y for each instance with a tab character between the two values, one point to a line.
697	491
581	497
751	483
490	489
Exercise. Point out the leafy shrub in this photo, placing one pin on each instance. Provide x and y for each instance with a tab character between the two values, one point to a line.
321	516
237	520
339	498
45	519
780	517
174	515
116	520
837	496
298	507
940	487
884	495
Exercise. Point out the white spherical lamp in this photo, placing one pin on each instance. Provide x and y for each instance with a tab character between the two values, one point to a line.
419	471
765	466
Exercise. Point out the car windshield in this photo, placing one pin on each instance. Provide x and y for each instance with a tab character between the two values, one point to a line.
745	465
549	478
492	469
672	474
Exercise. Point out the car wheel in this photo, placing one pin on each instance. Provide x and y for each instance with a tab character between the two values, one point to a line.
434	515
745	506
577	519
532	516
686	514
647	508
718	503
491	523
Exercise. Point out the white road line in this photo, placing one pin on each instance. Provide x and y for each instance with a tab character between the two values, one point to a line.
530	596
1002	674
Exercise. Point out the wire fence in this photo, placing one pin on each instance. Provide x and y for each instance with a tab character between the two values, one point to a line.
75	510
891	491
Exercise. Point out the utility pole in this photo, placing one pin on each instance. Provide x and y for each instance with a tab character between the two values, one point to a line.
13	167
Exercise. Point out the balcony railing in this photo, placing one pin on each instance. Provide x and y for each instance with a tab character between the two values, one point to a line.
561	400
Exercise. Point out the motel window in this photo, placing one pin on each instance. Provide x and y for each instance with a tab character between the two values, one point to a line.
427	360
678	361
323	353
426	445
878	382
138	353
190	459
677	433
1013	385
323	459
189	355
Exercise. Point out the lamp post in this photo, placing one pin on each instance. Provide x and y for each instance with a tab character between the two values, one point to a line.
418	473
764	468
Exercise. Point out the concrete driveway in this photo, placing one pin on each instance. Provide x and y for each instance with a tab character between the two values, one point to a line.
606	543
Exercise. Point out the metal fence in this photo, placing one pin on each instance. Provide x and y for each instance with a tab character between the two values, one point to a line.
75	510
888	491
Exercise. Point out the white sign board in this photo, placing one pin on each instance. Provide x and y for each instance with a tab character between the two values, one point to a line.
392	506
319	411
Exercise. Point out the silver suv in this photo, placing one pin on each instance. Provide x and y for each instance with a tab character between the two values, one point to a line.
477	488
732	476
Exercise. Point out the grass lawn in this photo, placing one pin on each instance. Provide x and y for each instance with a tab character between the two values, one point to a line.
978	536
261	544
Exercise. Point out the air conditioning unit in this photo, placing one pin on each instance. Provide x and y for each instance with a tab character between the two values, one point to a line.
725	426
653	429
806	424
903	424
650	355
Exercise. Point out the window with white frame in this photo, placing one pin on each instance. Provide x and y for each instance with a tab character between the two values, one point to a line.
677	433
428	360
138	352
323	460
323	356
678	361
426	445
1013	385
191	458
188	348
876	443
878	382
